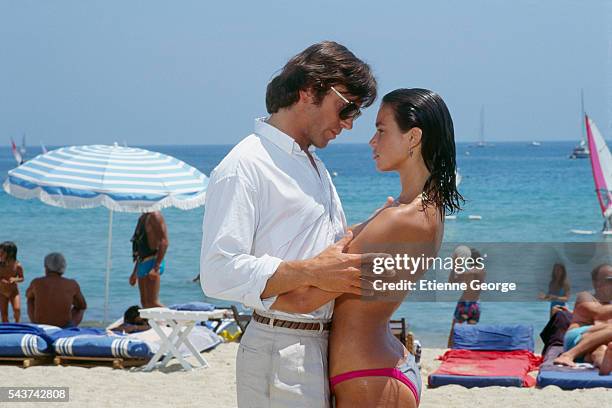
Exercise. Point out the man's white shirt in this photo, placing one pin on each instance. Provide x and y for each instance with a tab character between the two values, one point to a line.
266	204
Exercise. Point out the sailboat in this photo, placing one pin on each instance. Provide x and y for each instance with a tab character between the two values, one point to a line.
23	149
481	141
16	154
601	164
582	150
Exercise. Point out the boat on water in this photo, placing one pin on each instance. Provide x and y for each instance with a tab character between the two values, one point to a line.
535	144
16	153
481	138
582	150
23	149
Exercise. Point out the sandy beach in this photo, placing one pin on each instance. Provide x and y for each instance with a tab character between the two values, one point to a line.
215	387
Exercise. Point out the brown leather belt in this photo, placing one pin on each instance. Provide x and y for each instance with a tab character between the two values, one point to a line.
319	326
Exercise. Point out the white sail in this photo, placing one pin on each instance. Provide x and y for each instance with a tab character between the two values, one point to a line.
601	163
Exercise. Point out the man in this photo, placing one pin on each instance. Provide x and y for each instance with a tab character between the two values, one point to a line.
468	306
54	299
589	336
149	246
272	216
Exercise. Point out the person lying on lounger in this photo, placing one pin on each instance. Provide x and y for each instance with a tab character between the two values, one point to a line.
132	322
589	336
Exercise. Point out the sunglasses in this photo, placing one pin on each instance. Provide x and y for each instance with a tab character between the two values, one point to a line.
350	110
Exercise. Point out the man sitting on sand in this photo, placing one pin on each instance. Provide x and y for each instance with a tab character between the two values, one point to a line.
54	299
468	307
589	336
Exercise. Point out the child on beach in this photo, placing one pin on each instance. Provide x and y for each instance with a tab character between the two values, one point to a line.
11	273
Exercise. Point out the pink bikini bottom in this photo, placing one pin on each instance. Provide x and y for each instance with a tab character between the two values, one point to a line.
407	372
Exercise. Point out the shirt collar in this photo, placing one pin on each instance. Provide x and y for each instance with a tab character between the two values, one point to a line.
279	138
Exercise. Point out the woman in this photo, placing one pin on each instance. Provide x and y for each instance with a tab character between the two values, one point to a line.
11	273
558	288
414	137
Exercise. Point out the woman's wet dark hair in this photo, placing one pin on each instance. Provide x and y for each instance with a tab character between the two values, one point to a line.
320	67
426	110
10	249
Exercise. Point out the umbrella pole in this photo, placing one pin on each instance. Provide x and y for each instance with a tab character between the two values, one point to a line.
108	264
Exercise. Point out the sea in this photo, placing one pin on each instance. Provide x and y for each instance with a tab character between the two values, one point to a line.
522	194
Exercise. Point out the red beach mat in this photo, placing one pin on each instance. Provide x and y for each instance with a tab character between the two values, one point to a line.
517	363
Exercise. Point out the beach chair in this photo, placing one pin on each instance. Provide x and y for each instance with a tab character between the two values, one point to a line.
569	378
399	330
488	355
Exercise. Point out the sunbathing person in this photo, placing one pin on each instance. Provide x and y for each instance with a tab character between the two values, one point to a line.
589	336
11	273
53	299
468	306
132	322
368	366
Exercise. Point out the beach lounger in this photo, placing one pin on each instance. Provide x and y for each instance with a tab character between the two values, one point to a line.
569	378
101	345
25	340
399	329
488	355
88	347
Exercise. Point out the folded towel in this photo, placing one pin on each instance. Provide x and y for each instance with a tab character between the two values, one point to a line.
193	306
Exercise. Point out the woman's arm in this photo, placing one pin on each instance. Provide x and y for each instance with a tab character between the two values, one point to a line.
19	277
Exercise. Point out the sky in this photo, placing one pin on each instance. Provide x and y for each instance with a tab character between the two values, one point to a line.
195	72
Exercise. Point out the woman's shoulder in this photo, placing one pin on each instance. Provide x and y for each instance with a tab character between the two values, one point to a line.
413	219
404	223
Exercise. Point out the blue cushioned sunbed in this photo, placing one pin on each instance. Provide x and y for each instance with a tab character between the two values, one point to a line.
101	346
494	337
25	339
569	378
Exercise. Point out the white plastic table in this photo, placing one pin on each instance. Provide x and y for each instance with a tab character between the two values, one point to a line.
181	322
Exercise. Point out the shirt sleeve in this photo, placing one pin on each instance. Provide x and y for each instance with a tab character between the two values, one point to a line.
228	269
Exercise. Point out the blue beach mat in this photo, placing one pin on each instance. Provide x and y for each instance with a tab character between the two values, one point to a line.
494	337
569	378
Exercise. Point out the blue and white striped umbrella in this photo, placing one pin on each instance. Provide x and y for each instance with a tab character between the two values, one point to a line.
119	178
